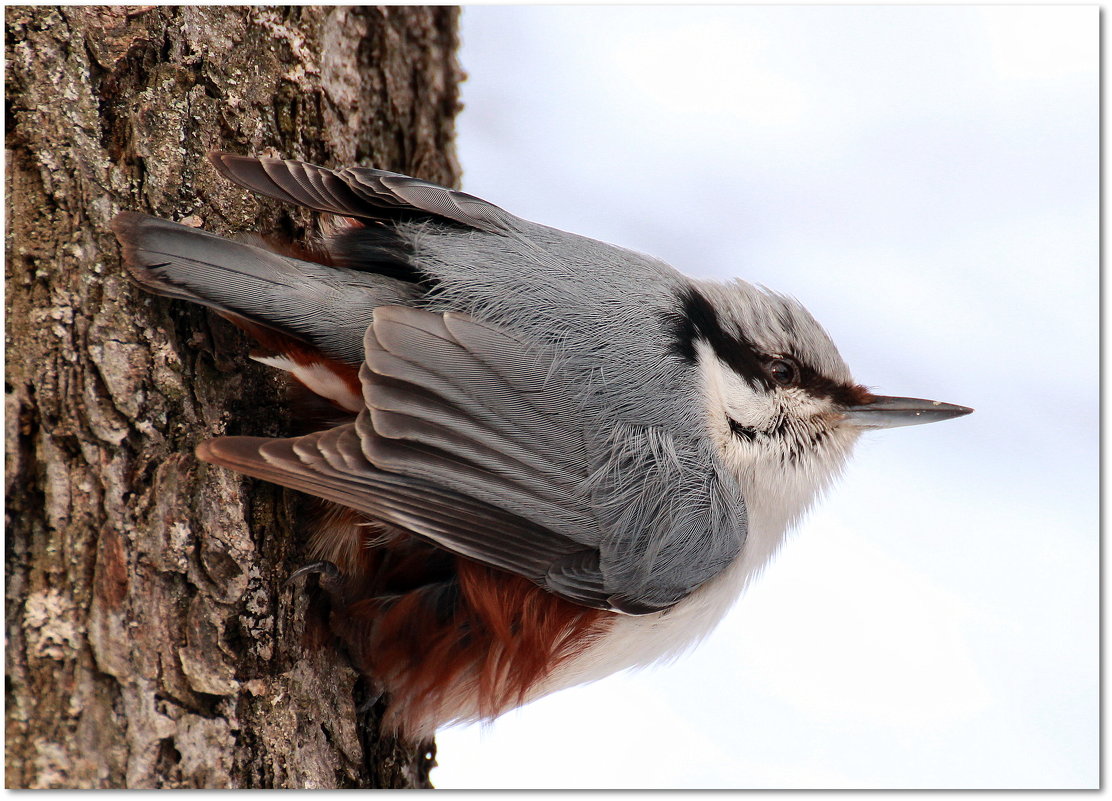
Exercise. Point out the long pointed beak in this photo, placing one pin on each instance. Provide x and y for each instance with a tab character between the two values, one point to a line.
887	412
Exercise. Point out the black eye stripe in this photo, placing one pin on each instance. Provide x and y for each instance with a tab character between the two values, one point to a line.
697	320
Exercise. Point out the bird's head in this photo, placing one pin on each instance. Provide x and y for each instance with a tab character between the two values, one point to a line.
782	405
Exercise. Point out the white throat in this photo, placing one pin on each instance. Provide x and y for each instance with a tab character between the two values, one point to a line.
780	475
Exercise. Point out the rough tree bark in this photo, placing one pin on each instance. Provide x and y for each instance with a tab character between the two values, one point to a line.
151	639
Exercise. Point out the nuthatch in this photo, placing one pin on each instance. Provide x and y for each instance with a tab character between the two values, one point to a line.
556	458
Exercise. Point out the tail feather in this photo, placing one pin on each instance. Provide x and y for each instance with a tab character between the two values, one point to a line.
327	307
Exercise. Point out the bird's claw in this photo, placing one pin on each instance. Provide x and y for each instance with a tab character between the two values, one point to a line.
373	695
328	572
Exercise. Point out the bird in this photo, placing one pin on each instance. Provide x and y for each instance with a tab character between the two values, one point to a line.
544	458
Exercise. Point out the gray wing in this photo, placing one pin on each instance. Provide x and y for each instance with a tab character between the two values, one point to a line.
359	192
471	439
331	465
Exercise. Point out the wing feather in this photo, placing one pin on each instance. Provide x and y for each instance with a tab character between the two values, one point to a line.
506	489
360	192
463	404
461	524
471	438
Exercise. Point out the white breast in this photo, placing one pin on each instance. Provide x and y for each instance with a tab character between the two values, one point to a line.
643	639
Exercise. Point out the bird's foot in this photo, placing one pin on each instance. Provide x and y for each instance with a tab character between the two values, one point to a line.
372	693
328	572
329	579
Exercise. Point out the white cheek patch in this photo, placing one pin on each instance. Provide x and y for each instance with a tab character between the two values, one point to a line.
319	379
743	404
714	390
729	396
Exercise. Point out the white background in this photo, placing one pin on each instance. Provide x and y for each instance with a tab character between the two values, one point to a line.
925	180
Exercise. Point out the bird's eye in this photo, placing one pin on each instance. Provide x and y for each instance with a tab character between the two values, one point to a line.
784	372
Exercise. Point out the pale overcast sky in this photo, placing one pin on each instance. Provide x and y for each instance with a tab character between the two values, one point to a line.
924	179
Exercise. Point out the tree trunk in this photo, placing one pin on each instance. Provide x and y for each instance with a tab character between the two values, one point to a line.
152	641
